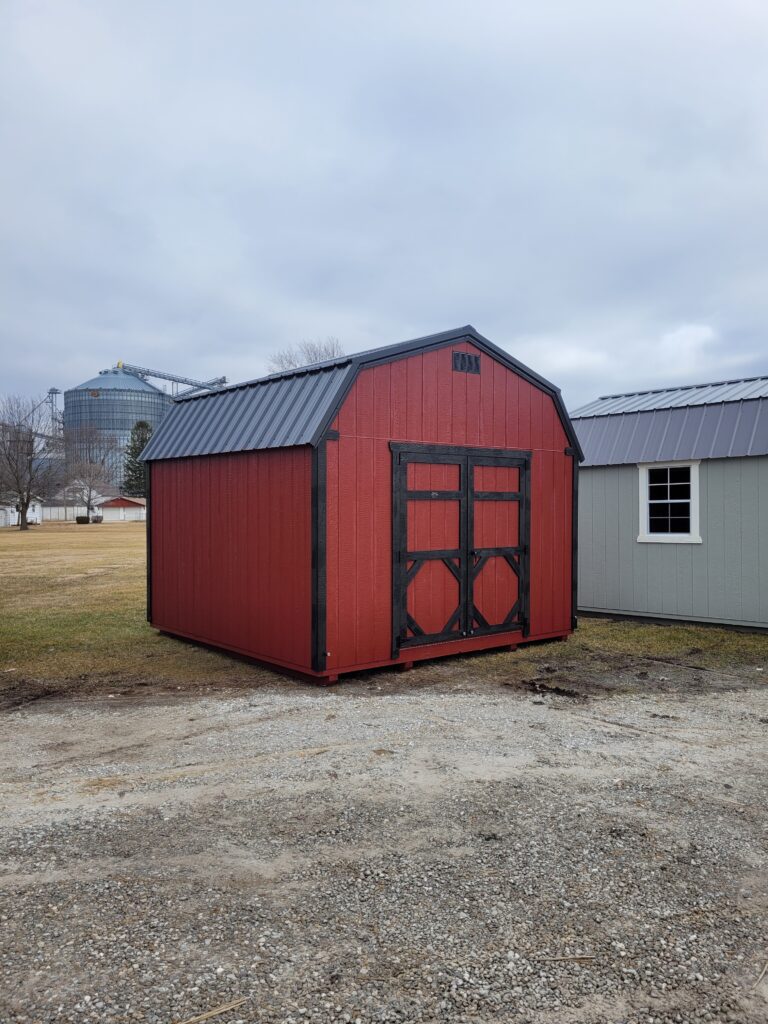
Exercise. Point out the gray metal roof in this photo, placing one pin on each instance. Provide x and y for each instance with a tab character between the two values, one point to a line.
727	418
276	412
673	398
728	429
297	406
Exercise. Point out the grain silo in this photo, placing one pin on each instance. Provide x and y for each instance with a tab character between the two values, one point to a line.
108	406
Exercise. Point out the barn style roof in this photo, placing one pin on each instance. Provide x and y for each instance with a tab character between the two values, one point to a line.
296	407
699	421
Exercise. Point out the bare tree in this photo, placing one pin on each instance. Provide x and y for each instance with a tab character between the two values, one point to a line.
304	354
31	466
93	459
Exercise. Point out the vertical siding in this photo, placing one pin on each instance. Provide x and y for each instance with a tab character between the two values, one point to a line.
232	551
421	399
713	533
626	552
762	515
723	579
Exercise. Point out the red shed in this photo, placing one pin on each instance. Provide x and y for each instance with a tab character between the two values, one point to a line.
409	502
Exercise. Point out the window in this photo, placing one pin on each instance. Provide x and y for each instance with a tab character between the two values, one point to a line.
669	503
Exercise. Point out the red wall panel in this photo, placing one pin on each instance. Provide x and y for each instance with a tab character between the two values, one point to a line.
422	399
232	551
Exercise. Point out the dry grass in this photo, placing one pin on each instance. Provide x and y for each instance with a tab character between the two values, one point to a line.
697	646
72	613
72	607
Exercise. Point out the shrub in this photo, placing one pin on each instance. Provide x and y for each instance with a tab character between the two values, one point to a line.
82	520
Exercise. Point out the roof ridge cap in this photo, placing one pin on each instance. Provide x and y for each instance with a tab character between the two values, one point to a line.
298	371
682	387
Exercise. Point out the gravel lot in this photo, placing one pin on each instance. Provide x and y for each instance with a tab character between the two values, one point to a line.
445	845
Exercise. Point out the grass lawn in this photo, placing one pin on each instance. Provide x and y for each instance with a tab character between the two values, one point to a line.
72	606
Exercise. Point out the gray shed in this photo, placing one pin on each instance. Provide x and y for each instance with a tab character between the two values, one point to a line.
673	503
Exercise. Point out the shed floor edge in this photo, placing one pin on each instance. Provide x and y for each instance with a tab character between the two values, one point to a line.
665	617
408	655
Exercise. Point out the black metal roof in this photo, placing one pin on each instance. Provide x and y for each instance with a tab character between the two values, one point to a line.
296	407
725	419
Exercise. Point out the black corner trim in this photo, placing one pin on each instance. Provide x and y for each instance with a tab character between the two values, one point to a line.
332	435
319	572
574	538
148	524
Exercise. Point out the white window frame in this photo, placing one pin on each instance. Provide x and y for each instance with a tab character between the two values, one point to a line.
644	536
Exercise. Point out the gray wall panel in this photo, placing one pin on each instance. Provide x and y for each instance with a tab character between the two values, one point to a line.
701	566
683	584
713	535
626	551
732	537
599	551
723	579
656	558
750	539
586	558
612	520
762	518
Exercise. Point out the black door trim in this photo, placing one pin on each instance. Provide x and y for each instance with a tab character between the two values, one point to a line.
425	452
402	575
461	562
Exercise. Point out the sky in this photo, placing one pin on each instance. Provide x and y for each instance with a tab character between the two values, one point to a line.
192	185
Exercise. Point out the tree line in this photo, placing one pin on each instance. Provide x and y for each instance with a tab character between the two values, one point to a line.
39	463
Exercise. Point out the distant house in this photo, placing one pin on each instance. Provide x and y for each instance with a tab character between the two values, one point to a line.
673	503
122	509
9	515
67	504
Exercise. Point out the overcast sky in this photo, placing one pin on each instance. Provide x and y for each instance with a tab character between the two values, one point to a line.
190	185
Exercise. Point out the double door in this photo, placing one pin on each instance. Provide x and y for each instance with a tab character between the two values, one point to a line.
460	543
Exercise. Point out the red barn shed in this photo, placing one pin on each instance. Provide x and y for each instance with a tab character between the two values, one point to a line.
409	502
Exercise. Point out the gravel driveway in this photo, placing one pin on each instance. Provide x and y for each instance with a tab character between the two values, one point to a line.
438	846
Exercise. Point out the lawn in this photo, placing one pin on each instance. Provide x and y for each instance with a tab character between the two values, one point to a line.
72	610
72	616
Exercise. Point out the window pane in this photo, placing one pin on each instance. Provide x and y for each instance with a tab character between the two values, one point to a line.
680	491
669	500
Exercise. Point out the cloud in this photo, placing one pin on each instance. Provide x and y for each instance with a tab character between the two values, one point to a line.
685	354
192	187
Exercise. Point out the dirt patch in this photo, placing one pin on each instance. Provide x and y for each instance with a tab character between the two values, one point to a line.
551	686
457	850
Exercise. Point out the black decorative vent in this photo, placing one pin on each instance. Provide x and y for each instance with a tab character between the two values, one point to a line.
465	362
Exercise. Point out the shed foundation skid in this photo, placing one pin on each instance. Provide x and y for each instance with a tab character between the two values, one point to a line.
408	503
